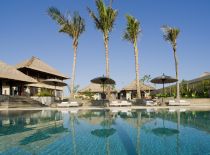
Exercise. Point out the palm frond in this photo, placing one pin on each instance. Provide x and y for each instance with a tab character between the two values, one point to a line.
133	29
73	26
56	15
95	19
106	17
170	34
111	17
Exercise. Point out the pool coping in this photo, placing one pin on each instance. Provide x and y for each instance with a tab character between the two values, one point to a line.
191	107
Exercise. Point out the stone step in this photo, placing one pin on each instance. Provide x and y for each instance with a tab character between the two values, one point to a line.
20	101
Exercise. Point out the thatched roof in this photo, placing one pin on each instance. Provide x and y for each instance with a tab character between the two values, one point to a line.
94	88
132	86
204	76
38	65
43	85
10	72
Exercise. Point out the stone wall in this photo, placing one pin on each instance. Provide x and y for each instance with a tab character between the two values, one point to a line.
4	98
4	101
191	100
199	100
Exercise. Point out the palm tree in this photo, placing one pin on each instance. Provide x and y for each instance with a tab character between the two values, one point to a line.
104	22
131	34
170	35
72	26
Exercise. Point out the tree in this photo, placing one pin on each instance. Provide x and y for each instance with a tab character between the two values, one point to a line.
76	88
73	27
104	22
146	78
131	34
170	35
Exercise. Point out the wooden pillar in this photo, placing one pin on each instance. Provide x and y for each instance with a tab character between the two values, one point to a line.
20	90
10	89
0	87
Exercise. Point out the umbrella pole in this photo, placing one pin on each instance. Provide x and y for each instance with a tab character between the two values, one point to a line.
103	95
163	91
55	92
163	88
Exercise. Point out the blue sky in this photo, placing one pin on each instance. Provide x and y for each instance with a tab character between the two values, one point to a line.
26	30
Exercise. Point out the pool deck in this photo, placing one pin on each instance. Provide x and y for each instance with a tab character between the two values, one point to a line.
190	107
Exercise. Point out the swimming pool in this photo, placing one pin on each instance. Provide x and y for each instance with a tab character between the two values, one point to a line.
144	132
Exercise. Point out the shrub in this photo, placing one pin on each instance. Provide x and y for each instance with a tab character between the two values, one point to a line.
44	92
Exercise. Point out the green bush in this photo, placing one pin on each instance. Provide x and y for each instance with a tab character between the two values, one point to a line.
89	95
45	92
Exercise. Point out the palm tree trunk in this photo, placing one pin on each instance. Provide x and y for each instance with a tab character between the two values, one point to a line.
106	40
136	54
73	71
177	73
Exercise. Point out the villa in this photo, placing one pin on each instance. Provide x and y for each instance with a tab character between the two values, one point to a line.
121	50
199	86
129	92
203	79
27	79
41	71
12	81
95	91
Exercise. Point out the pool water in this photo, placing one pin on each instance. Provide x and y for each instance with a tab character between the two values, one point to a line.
98	132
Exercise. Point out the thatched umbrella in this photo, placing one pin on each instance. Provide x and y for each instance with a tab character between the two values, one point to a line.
103	80
163	79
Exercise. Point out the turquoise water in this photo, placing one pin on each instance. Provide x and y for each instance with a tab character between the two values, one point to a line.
144	132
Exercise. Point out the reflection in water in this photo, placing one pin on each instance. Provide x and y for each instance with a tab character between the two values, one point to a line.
104	132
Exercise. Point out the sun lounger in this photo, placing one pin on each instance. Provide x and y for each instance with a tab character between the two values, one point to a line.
183	102
149	103
63	104
125	103
114	103
69	104
120	103
178	103
73	104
